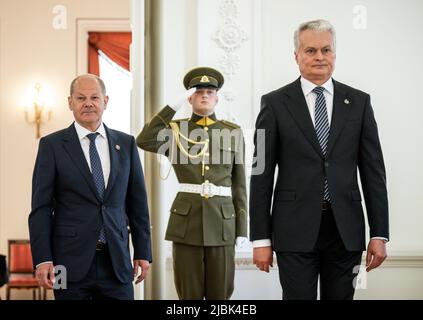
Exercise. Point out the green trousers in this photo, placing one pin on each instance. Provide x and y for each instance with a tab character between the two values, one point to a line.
203	272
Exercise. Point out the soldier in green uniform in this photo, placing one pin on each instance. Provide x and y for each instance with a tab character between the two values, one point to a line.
208	216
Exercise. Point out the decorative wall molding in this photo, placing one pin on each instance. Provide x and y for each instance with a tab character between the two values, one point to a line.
229	36
397	261
406	261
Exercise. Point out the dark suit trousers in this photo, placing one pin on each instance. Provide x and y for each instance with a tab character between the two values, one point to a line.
299	272
99	284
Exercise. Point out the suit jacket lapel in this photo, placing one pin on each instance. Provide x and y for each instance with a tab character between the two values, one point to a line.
115	154
297	106
342	105
73	147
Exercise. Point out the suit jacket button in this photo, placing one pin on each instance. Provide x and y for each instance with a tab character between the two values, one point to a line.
103	207
326	164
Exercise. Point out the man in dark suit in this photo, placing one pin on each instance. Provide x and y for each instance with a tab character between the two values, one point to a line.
317	132
88	185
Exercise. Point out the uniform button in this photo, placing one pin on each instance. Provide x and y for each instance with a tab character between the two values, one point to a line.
207	181
207	154
207	168
174	210
229	149
206	128
233	215
326	164
207	140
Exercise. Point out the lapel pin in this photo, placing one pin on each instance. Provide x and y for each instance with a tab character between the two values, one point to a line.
346	101
117	147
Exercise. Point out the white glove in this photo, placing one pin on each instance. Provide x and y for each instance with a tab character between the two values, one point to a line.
176	105
241	241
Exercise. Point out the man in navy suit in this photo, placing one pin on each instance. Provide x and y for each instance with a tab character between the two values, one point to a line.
318	131
88	188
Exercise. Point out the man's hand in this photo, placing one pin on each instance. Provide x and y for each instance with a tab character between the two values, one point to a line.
376	254
263	258
176	105
241	241
144	265
45	275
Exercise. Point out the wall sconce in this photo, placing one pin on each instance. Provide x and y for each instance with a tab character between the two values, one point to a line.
39	114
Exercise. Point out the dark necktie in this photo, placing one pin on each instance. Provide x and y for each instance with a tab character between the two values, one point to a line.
322	128
97	173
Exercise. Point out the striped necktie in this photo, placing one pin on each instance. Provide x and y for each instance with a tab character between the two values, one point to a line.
322	128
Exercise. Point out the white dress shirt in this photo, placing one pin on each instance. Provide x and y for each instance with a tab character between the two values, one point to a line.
101	145
310	97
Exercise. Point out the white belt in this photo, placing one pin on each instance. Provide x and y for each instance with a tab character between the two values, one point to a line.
206	189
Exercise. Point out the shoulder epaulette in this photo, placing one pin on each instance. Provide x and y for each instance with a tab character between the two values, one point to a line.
230	124
179	120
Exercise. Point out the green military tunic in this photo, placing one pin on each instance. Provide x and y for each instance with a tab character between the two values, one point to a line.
196	220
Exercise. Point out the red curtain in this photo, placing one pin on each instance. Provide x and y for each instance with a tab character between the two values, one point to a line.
114	44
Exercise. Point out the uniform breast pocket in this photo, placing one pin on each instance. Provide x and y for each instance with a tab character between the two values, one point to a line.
226	156
228	213
178	220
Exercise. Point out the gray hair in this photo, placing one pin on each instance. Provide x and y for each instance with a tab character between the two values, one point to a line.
88	75
315	25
